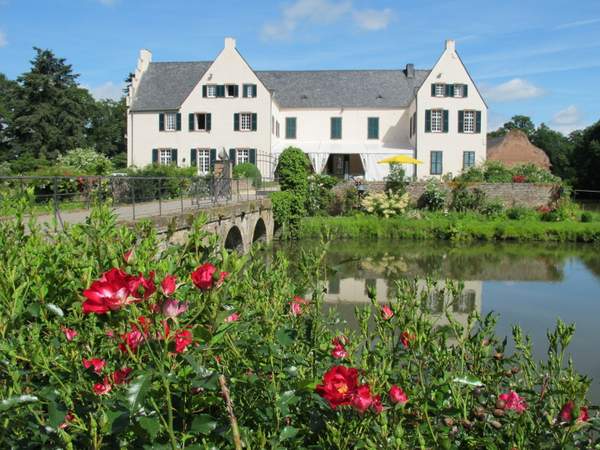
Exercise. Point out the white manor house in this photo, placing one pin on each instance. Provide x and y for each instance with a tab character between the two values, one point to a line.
193	113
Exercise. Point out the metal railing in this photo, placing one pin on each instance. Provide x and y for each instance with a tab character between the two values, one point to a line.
70	198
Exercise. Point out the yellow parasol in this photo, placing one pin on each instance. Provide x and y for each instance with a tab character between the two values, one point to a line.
400	159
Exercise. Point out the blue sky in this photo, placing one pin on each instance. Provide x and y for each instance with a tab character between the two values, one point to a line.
539	58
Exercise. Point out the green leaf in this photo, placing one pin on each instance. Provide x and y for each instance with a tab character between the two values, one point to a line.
56	414
137	390
471	381
288	433
116	421
286	336
55	309
14	402
151	425
203	424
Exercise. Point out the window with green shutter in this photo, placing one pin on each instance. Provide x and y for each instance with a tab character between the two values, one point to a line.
373	128
336	128
468	159
436	167
161	122
478	122
428	121
290	128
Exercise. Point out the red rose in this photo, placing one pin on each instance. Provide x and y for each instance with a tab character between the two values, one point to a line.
204	277
97	364
397	395
102	388
362	398
406	338
119	376
169	284
69	417
183	338
566	413
376	405
339	384
132	339
387	312
233	317
513	401
297	305
146	285
339	350
116	289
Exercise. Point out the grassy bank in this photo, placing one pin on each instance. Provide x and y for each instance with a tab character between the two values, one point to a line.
453	227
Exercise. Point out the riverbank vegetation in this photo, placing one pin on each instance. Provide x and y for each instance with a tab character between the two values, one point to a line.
112	339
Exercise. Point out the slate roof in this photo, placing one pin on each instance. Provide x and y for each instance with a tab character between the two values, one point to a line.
165	86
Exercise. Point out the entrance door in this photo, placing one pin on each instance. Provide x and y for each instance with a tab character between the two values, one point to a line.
341	165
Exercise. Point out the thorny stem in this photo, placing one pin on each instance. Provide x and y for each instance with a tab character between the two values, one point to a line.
232	419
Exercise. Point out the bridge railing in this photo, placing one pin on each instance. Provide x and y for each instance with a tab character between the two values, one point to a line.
132	197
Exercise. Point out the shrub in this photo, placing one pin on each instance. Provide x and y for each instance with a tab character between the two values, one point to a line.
288	210
248	170
473	174
519	213
496	172
396	180
292	170
434	197
464	199
178	181
587	217
319	193
385	204
534	174
86	161
492	208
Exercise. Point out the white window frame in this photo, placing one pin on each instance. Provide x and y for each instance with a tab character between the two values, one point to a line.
248	90
441	88
437	120
469	125
203	160
227	86
211	91
242	155
165	156
459	91
170	121
245	121
196	127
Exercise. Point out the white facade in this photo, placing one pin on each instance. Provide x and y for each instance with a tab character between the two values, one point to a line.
352	153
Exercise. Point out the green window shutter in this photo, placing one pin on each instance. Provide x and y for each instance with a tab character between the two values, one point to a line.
428	121
236	122
465	90
254	122
244	90
336	128
178	126
213	157
236	91
232	155
161	122
254	90
221	90
373	128
461	121
208	122
445	121
433	90
174	156
204	91
154	156
193	157
415	122
252	156
191	121
478	122
290	128
449	90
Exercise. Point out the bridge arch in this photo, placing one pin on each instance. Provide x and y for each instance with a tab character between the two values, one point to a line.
234	240
260	231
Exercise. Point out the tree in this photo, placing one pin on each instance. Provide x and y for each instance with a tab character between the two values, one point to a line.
108	127
559	149
51	112
586	157
518	122
7	94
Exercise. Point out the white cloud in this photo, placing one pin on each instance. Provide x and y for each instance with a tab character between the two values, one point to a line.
567	120
108	90
3	40
373	19
577	24
515	89
322	12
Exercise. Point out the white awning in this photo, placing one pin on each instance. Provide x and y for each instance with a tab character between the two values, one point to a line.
332	147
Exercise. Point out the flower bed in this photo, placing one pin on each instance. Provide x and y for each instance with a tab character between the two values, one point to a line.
110	340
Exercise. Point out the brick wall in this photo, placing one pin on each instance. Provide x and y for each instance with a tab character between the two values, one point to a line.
510	194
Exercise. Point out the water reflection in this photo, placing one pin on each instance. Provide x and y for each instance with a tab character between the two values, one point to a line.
529	285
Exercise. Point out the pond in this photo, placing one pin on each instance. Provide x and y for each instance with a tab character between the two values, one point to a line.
531	285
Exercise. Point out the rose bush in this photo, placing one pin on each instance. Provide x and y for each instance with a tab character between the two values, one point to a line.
230	351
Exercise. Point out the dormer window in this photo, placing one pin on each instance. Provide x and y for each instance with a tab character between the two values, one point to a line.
439	90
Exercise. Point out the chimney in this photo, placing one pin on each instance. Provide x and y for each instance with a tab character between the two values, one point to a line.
230	43
450	44
410	71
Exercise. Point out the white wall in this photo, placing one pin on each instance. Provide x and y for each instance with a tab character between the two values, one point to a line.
449	70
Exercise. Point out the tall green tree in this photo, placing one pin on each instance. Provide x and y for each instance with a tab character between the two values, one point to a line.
8	90
586	157
518	122
559	149
108	127
52	113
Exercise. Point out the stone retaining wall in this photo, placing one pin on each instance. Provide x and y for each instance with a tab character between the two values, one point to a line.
510	194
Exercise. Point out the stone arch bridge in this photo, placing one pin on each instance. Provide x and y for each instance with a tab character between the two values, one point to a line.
238	225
